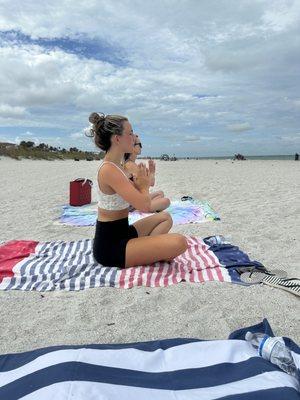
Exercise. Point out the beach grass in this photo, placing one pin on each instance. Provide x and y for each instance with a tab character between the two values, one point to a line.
18	152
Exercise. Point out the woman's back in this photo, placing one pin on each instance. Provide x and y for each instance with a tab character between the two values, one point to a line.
111	206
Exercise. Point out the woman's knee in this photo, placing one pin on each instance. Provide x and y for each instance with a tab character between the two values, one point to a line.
180	242
178	246
166	216
166	201
159	204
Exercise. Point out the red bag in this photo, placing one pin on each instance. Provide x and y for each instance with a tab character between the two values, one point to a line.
80	192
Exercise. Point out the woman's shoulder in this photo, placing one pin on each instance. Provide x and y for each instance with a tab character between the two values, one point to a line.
105	165
107	168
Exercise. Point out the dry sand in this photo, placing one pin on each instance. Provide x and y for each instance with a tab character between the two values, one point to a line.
259	205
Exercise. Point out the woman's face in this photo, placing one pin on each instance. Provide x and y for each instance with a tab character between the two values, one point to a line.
127	139
137	146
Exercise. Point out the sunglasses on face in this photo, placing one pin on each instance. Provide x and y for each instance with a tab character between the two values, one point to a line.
139	144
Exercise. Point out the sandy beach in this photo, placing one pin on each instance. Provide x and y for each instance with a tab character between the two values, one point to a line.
259	205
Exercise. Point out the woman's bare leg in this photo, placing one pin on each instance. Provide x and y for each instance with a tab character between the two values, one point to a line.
149	249
157	224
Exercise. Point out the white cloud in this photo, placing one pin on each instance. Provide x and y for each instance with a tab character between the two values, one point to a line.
297	103
282	15
76	135
292	138
8	111
191	138
241	127
198	138
242	60
293	102
204	138
25	138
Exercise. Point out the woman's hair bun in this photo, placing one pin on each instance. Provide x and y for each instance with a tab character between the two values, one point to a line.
104	127
95	118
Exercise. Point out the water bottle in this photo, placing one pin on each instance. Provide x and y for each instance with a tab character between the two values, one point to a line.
274	350
218	239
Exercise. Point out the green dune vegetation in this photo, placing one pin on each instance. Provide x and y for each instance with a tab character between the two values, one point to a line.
45	152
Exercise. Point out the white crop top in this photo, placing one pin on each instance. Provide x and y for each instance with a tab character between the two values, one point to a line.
111	202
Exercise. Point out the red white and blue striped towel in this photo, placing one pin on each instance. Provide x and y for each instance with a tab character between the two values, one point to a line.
28	265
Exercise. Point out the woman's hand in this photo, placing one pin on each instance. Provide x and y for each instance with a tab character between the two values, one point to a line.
142	178
151	167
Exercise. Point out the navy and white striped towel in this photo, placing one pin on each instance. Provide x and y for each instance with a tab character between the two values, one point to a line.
166	370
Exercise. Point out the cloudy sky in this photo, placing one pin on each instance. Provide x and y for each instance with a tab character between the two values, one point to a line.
194	77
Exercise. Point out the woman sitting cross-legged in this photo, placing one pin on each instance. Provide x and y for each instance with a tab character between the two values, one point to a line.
116	243
158	200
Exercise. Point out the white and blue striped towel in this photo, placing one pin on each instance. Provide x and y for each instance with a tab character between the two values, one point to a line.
181	369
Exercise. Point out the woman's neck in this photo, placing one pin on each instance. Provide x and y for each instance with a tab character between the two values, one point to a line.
114	157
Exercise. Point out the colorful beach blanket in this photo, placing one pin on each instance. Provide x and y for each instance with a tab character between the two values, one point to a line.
28	265
169	369
182	212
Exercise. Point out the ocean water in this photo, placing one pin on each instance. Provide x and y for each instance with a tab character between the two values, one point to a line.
285	157
270	157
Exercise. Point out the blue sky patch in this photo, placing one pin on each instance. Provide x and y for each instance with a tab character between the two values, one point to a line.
81	46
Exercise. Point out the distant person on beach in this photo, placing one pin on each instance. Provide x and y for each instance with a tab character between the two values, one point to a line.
116	243
296	157
158	200
239	157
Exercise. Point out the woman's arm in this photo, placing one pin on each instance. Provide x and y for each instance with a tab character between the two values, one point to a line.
138	194
152	179
151	167
131	167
